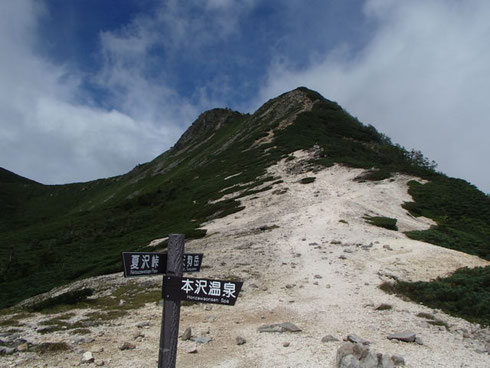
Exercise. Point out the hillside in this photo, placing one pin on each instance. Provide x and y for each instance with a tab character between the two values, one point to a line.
52	235
307	256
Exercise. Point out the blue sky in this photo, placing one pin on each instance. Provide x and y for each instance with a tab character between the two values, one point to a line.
90	88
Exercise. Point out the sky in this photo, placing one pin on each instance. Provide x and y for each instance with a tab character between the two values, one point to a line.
91	88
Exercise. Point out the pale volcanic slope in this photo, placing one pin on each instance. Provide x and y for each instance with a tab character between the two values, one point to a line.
306	256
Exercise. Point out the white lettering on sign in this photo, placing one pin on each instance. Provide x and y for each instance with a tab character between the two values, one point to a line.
155	260
135	260
145	261
201	284
229	290
196	260
214	288
189	261
187	285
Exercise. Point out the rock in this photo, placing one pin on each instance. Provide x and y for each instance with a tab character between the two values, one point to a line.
405	336
318	276
356	355
203	339
281	327
386	361
370	360
418	340
99	363
286	344
143	324
87	357
23	347
349	361
398	360
386	246
192	350
127	346
357	339
187	334
97	349
289	286
6	351
329	338
138	334
240	340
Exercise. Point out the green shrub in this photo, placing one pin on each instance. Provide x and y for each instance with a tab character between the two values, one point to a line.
385	222
68	298
308	180
466	294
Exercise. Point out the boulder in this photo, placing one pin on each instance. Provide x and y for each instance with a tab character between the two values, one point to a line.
406	336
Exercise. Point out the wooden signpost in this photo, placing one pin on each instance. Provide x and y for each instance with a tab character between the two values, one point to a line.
176	288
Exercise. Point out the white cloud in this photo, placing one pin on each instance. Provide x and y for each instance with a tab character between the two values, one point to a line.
422	79
47	135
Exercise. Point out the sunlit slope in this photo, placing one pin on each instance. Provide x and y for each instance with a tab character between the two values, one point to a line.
51	235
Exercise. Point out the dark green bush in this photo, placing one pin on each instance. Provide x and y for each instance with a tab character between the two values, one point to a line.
385	222
68	298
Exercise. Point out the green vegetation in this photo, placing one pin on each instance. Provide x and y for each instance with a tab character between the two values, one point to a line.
307	180
464	294
52	235
461	211
385	222
68	298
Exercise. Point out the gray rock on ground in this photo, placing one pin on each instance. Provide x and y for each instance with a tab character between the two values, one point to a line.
357	339
356	355
279	327
406	336
187	334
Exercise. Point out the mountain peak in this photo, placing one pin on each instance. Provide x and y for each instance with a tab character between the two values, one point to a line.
204	126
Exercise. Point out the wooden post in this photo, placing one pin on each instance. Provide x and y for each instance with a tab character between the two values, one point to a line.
169	333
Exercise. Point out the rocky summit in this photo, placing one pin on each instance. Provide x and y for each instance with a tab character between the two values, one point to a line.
345	251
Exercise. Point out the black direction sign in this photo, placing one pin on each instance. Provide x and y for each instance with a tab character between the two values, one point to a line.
201	290
151	263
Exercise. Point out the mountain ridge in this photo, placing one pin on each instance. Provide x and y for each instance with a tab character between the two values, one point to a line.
222	153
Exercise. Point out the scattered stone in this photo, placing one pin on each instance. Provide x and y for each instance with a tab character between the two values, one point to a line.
87	357
318	276
418	340
386	246
398	360
348	250
6	351
97	349
354	355
342	257
143	324
192	351
127	346
23	347
279	327
240	340
100	363
255	286
329	338
405	336
187	334
290	286
286	344
328	286
138	334
357	339
315	283
203	339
